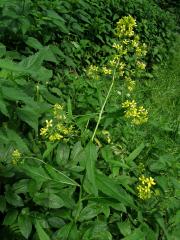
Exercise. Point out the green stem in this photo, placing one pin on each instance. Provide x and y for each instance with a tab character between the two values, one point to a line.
104	104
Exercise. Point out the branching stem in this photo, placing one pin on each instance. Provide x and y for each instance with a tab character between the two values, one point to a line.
104	104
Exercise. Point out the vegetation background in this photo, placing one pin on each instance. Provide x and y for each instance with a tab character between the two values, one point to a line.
76	183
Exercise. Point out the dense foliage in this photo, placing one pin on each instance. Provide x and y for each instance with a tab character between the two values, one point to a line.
86	149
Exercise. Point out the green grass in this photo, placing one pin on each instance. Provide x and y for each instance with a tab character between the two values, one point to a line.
161	96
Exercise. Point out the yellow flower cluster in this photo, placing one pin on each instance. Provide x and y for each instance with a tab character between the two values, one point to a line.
130	84
106	71
126	63
57	128
125	27
138	115
141	65
92	72
144	187
16	155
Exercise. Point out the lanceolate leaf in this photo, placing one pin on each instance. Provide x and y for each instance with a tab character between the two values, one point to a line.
91	157
58	176
113	190
37	173
135	153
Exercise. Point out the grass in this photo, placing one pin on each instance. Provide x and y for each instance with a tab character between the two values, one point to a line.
161	97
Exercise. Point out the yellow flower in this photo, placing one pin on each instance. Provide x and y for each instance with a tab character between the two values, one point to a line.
144	187
141	65
137	114
16	155
55	136
125	26
106	71
48	123
150	181
43	131
92	72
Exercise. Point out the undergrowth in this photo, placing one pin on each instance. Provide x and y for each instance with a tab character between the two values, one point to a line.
91	155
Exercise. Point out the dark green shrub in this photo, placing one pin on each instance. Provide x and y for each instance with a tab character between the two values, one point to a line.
81	32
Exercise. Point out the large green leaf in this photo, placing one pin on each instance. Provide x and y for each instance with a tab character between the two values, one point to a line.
98	230
58	176
110	188
15	94
36	172
16	140
90	211
62	154
13	199
77	149
11	66
91	157
10	217
40	231
48	200
64	232
136	235
25	224
28	115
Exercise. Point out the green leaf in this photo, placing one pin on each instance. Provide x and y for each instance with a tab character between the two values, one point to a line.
77	149
110	188
49	148
135	235
56	222
59	176
64	232
35	172
42	75
125	227
17	140
62	154
91	157
25	224
47	95
135	153
48	200
161	223
34	62
10	217
90	211
34	43
40	231
3	107
11	66
28	115
21	186
54	15
98	230
15	94
13	199
2	204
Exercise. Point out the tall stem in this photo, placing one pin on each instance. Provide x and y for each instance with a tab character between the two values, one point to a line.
104	104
